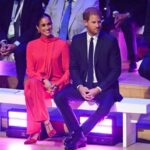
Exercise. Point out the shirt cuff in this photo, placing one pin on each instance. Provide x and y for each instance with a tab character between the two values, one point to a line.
99	88
79	86
17	43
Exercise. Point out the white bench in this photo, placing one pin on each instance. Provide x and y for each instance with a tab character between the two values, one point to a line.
131	108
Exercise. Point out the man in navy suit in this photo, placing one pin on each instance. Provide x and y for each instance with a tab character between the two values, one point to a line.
103	89
25	29
144	69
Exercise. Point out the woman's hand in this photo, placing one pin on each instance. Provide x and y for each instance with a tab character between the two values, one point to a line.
46	83
51	88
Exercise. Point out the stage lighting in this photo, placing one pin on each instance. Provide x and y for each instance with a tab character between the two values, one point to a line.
104	126
105	132
17	118
17	123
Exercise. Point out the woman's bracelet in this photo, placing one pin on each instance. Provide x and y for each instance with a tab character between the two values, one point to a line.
54	87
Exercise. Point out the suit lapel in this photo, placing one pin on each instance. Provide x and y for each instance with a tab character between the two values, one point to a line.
84	50
24	9
60	7
75	11
98	48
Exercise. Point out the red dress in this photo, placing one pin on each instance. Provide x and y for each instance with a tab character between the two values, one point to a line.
47	58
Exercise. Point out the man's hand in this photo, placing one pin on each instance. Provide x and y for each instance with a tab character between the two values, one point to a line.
7	49
11	47
83	91
88	94
119	19
93	92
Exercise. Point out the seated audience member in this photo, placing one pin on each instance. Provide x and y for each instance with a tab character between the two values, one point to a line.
95	66
67	16
127	15
144	69
47	73
17	27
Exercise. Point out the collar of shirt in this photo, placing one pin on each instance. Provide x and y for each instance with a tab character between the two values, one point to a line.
89	37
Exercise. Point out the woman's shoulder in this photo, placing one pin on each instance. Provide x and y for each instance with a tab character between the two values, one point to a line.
35	41
61	42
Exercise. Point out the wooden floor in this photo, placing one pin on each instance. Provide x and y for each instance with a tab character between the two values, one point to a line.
17	144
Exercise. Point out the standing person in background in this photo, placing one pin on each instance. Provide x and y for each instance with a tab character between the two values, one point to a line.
127	15
17	27
72	11
47	73
95	66
144	69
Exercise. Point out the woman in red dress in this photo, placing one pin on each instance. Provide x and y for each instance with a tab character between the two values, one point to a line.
48	72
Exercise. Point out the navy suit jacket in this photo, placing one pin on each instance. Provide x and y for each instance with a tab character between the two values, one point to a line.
32	9
107	62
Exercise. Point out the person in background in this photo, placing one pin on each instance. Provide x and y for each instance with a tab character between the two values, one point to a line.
128	16
95	66
44	4
47	73
17	28
144	69
67	16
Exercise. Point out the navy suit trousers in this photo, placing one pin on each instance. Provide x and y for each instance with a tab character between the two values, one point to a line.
105	100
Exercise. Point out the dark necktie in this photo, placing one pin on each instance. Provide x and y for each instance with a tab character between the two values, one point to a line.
63	33
90	65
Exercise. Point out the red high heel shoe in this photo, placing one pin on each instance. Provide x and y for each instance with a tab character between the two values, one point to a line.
51	133
32	139
49	129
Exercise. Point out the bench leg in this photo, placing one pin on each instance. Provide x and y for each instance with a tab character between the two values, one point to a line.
129	130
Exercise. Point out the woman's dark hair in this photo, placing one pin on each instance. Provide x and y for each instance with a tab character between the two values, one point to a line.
42	16
37	35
